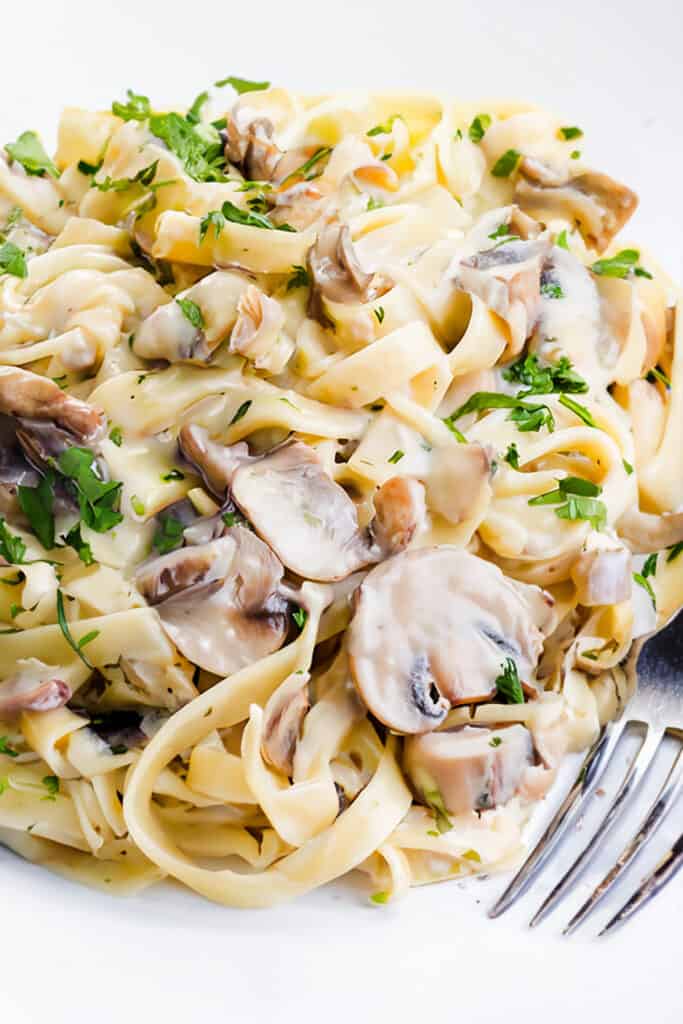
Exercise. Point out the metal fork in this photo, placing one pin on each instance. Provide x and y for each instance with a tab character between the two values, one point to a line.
656	711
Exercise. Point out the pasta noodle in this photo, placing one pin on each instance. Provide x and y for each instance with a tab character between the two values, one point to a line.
339	482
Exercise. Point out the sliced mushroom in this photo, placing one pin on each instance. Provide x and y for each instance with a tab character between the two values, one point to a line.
602	576
298	206
216	463
400	511
32	688
598	204
335	271
168	333
306	518
645	532
250	147
634	313
527	228
257	334
282	721
29	397
507	278
432	629
219	602
471	769
15	472
459	483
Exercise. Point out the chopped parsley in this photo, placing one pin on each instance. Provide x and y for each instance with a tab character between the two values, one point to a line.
657	374
198	147
396	457
136	109
300	615
480	124
307	167
194	114
37	505
544	380
299	278
233	519
643	582
562	239
173	474
458	434
137	505
12	548
502	231
116	436
650	565
97	499
575	499
495	741
74	540
232	213
145	176
374	204
627	466
12	260
379	313
435	802
29	152
508	687
571	132
192	312
51	783
552	290
674	551
575	154
622	265
527	417
506	164
512	456
383	129
168	535
379	898
579	410
6	749
242	411
75	645
241	85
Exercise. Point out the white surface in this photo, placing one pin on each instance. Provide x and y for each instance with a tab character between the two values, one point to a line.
72	955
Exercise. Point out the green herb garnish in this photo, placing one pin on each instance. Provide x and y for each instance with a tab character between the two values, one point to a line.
136	109
506	164
299	278
379	313
621	265
74	540
173	474
435	802
12	547
571	132
480	124
383	129
116	436
29	152
242	411
643	582
552	290
674	551
75	645
37	505
544	380
526	416
12	260
579	410
576	499
241	85
396	457
300	615
6	749
562	239
192	312
168	535
512	456
97	499
508	687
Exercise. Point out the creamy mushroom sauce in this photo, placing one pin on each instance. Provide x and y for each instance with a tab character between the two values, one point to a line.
340	475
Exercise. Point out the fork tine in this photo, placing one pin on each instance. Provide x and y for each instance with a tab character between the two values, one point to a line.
653	819
631	780
581	789
663	873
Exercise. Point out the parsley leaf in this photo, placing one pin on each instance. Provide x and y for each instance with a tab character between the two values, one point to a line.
627	466
512	456
621	265
145	176
12	548
97	499
75	645
198	147
241	85
674	551
562	240
51	783
383	129
552	290
194	114
168	535
459	436
242	411
29	152
396	457
12	260
576	499
74	540
571	132
300	278
506	164
307	167
543	380
508	687
643	582
650	565
37	505
579	410
173	474
136	109
6	749
379	313
380	898
116	436
435	802
477	130
527	417
300	615
192	312
495	741
657	374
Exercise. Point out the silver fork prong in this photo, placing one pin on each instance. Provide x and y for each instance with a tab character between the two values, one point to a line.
581	790
665	799
630	782
654	883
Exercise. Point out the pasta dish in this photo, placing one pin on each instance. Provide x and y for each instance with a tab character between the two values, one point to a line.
340	480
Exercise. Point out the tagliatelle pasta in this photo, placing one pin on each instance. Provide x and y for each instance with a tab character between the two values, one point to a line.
339	483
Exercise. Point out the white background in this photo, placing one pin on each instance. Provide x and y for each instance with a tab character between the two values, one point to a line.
70	955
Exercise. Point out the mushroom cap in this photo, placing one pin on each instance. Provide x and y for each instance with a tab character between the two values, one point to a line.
471	769
282	721
32	688
216	463
602	576
306	518
218	602
29	396
432	629
400	511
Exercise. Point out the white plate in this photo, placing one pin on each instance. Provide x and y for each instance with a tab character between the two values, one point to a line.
71	955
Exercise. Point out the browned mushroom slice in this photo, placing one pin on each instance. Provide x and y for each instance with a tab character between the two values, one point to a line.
250	147
219	602
298	206
335	271
459	483
523	226
32	688
399	513
507	278
598	204
602	576
257	334
282	720
28	396
645	532
432	629
216	463
471	769
306	518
